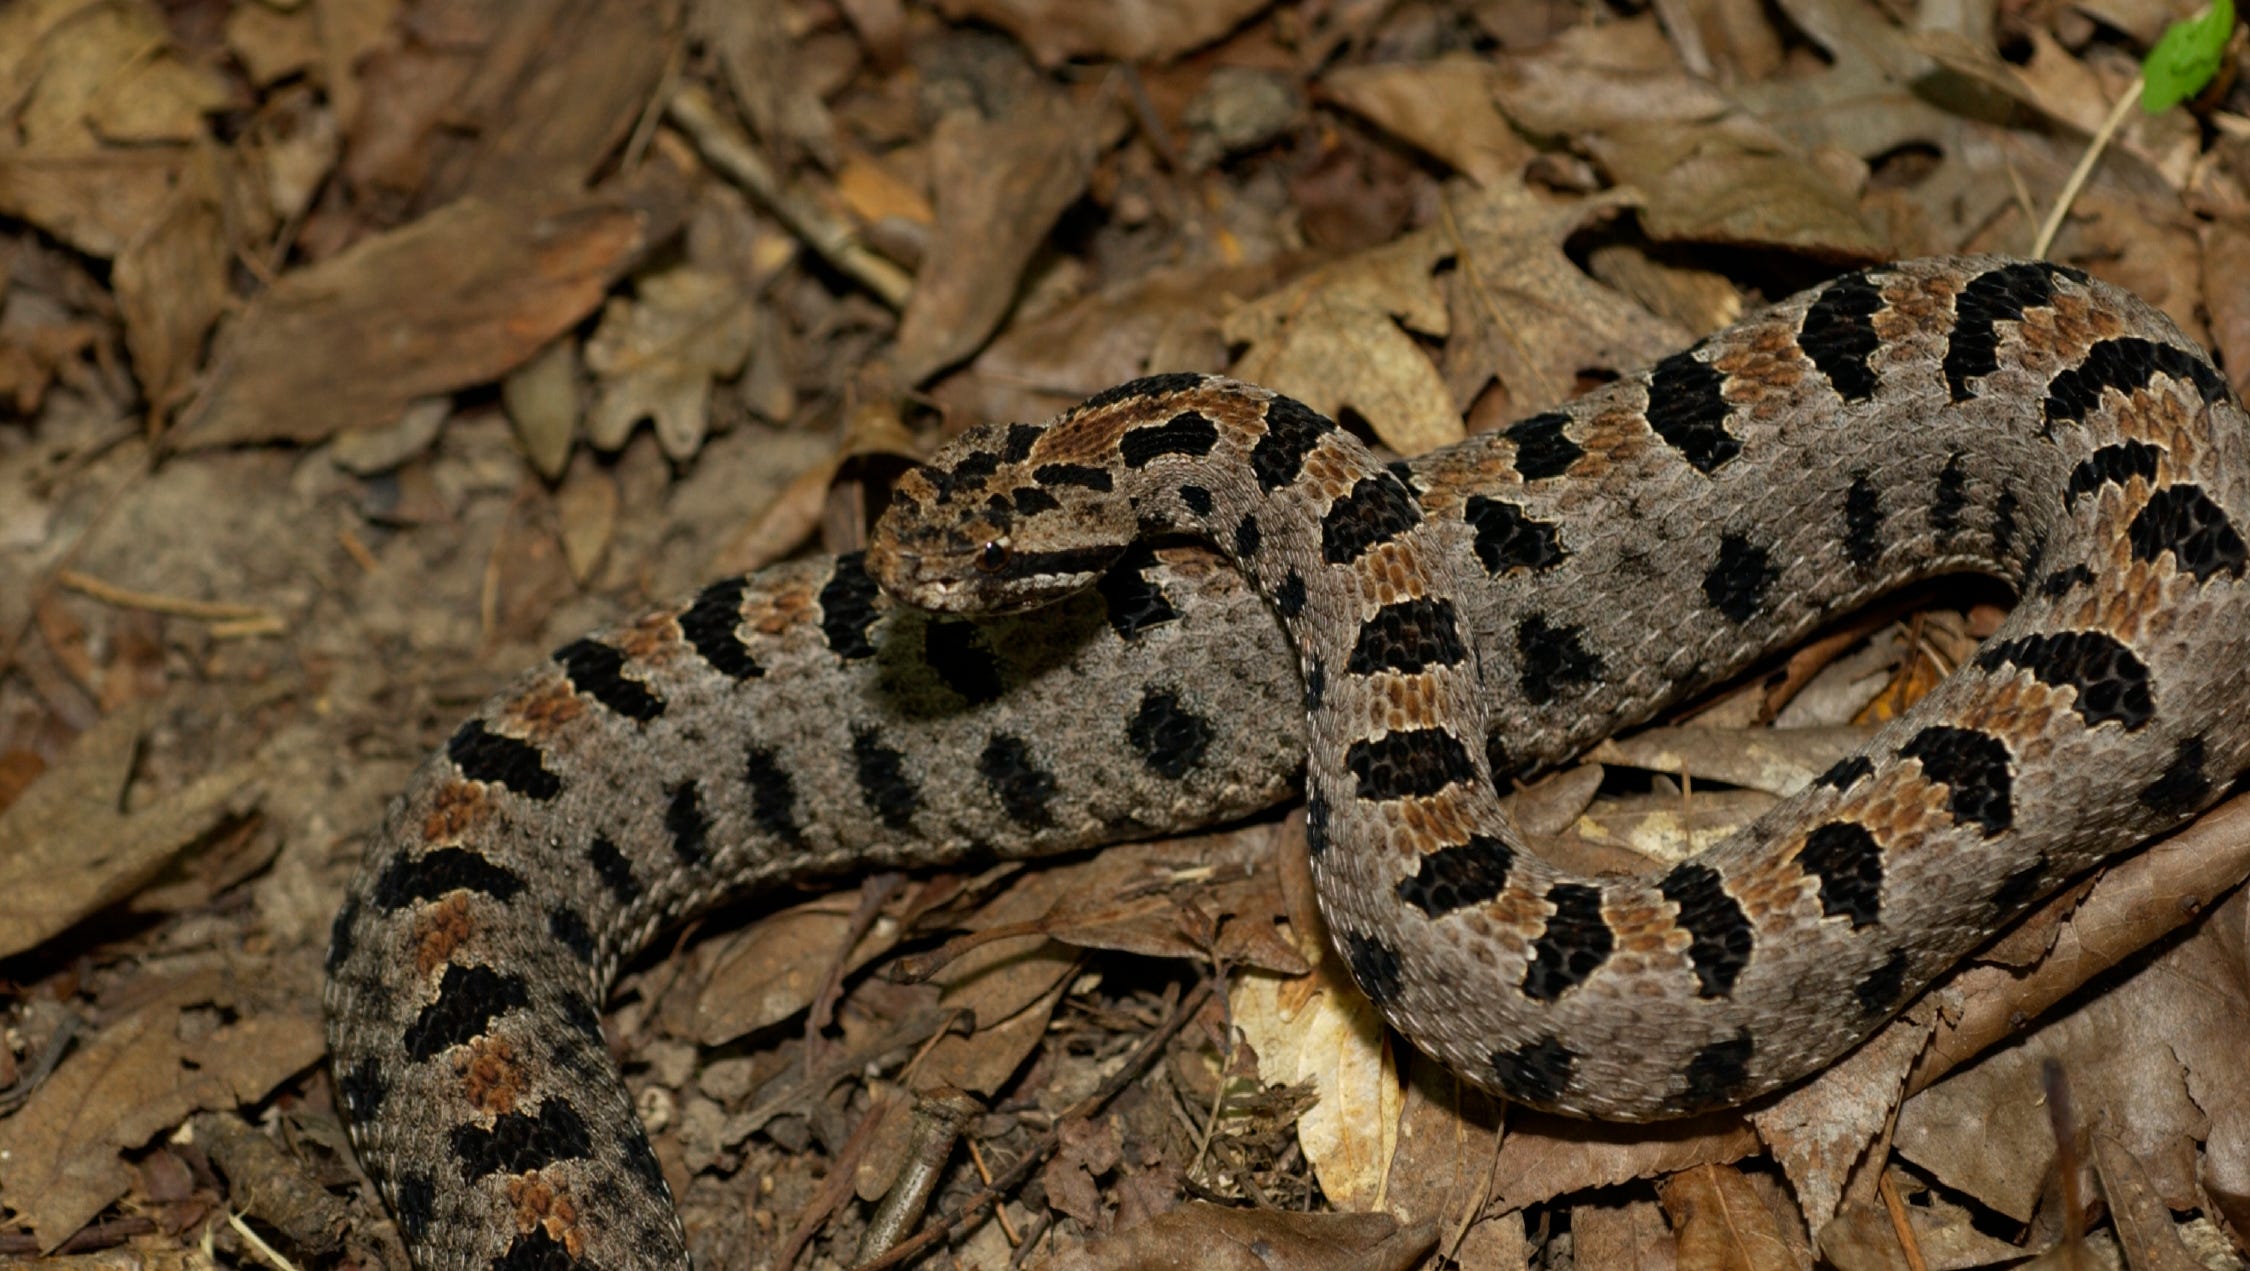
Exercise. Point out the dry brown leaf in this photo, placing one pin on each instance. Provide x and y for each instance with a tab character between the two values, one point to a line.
1058	31
106	71
59	1155
1011	985
458	298
171	283
789	519
771	971
1000	184
1545	1156
2131	904
1863	1237
1722	1224
1443	107
586	517
2143	1220
2157	1051
1735	182
1525	314
1217	1238
655	357
67	850
2226	289
1161	320
766	67
1337	338
271	43
1625	1236
552	88
1196	898
1448	1134
1820	1131
1700	300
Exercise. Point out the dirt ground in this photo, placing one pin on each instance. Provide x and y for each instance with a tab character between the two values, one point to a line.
356	353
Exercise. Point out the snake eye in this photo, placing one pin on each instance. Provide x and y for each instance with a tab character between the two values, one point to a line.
993	556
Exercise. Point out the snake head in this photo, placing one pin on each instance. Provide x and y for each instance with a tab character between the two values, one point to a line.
989	526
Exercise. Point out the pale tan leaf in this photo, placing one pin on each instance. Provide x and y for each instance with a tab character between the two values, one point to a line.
1319	1029
655	357
1337	338
1444	107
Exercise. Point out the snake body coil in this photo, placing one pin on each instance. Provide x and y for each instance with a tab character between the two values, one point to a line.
1456	619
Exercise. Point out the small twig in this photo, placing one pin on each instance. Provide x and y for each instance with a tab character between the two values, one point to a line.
175	606
257	1243
875	891
1900	1227
1048	1142
2085	169
730	152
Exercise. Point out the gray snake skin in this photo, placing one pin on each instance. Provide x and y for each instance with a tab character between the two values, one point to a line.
1461	618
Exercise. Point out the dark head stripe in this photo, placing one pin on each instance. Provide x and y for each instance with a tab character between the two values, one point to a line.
1081	475
1169	384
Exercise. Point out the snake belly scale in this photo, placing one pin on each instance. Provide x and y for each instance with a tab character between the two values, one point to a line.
1452	621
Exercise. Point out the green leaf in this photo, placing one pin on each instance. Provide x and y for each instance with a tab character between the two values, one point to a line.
2186	57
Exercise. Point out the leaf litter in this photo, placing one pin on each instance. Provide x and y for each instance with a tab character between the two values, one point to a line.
326	335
